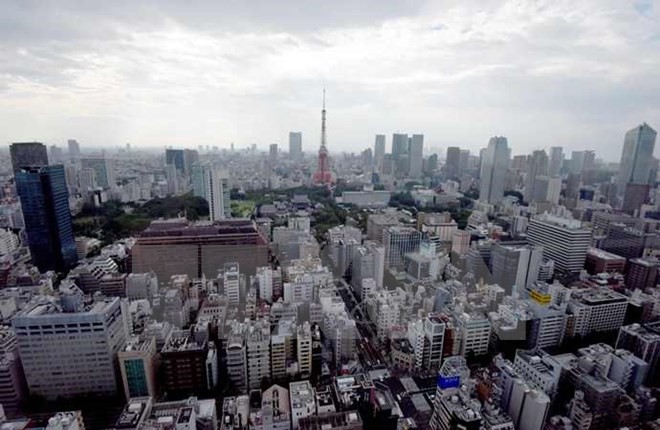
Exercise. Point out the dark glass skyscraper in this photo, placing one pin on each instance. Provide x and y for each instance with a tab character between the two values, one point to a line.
28	154
45	201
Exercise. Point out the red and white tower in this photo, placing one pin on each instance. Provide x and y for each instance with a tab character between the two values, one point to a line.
323	175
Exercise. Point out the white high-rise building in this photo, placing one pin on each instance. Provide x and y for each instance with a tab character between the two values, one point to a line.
232	283
494	166
212	183
564	241
68	350
636	157
258	353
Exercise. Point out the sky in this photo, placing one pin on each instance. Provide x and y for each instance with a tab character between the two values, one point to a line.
164	72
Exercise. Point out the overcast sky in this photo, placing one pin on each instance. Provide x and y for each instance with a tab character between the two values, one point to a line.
158	72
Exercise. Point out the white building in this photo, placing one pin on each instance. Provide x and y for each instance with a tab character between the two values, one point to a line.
302	400
232	283
258	353
564	241
69	350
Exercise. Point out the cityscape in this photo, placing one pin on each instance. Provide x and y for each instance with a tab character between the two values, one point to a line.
304	282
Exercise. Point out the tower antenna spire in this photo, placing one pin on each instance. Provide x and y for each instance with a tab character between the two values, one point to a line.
323	135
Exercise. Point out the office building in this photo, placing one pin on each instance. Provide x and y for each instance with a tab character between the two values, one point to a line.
600	261
625	241
636	157
74	148
453	163
183	364
103	169
272	153
555	161
644	342
45	203
141	286
176	158
564	241
304	349
13	388
494	166
28	155
537	166
515	266
416	155
635	195
528	407
69	349
258	353
642	273
368	263
137	366
594	310
400	146
379	149
212	184
176	246
295	146
399	241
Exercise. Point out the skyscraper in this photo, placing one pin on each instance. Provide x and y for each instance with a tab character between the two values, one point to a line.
103	168
45	201
28	154
453	162
74	148
379	148
636	157
556	159
400	147
212	184
416	155
494	166
176	158
537	165
295	145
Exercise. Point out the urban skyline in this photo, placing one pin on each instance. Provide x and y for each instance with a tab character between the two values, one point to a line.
464	82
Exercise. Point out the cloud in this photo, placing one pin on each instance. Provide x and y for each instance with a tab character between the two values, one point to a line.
155	73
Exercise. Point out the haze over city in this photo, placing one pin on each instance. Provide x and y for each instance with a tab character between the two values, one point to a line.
163	73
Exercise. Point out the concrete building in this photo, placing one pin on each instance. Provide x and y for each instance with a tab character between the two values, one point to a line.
302	401
416	155
644	342
137	366
564	241
600	261
51	336
304	349
636	157
434	336
515	266
183	363
642	273
453	409
258	353
176	246
295	146
494	165
398	241
594	310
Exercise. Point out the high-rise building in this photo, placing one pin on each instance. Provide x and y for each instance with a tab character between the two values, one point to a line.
45	202
183	362
217	193
453	162
564	241
76	356
494	165
379	148
272	153
295	145
636	157
103	168
176	157
556	160
642	273
28	154
398	241
515	266
74	148
537	165
416	155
